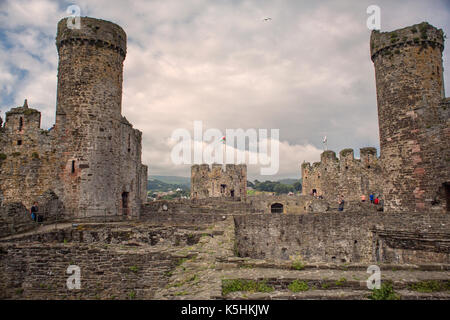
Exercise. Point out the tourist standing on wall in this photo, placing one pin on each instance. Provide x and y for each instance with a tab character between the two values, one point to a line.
371	197
341	204
34	211
381	203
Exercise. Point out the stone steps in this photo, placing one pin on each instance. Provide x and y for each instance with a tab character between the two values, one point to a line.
340	294
288	265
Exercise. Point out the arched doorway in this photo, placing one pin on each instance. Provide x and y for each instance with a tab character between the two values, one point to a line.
276	208
125	203
447	195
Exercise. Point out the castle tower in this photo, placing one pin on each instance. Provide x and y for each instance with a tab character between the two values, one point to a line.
88	115
410	89
215	181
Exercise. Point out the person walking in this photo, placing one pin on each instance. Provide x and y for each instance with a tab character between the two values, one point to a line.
371	197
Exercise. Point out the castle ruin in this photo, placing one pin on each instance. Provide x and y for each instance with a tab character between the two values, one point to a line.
91	158
413	117
413	114
215	182
181	249
346	176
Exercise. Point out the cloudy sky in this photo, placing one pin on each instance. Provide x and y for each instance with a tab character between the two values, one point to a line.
307	71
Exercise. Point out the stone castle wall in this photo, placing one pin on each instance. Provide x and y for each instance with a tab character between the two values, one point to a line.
413	122
345	176
91	158
215	182
347	237
29	154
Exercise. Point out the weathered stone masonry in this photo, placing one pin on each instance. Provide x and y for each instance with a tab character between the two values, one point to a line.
413	118
92	157
215	182
345	176
348	237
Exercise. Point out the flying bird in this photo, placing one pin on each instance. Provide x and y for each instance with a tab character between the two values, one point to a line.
267	19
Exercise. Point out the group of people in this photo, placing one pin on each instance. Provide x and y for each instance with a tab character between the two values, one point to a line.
372	198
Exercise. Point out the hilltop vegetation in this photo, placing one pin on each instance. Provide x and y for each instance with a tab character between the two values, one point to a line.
170	187
277	187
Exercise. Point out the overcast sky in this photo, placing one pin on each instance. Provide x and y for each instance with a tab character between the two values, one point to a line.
307	71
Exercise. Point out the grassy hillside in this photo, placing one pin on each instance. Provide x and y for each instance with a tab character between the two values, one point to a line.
155	185
172	180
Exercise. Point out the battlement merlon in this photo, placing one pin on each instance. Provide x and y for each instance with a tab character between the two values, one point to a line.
204	167
23	117
345	154
93	31
417	34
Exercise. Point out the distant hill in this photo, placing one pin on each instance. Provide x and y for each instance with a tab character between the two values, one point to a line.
288	181
155	185
172	180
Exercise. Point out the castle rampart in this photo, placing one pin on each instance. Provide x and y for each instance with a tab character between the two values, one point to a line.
345	176
217	182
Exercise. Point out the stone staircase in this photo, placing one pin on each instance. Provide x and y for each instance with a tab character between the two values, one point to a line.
334	284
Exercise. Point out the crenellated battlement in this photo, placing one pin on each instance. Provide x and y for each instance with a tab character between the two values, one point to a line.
345	176
228	168
96	32
218	181
422	34
367	155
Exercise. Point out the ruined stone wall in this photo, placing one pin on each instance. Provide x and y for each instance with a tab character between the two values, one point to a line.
345	176
214	206
291	204
215	182
29	157
117	261
364	237
413	127
132	172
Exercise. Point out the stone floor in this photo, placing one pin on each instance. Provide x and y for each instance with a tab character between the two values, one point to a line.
214	260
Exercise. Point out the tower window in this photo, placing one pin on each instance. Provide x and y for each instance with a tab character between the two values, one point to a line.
20	123
19	142
73	166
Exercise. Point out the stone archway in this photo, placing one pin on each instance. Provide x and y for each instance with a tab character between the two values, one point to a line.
447	195
276	208
125	210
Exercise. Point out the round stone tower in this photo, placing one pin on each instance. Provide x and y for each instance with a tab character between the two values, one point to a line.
88	114
410	87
